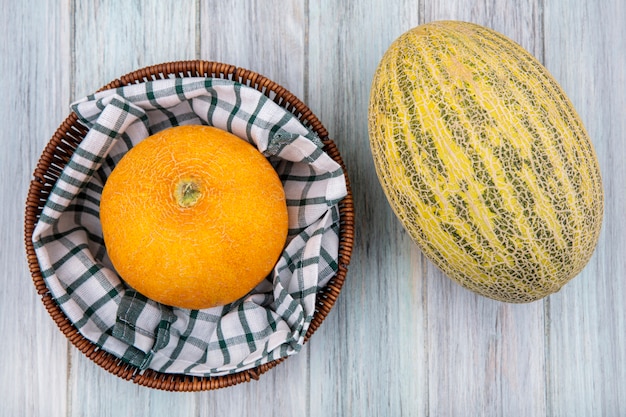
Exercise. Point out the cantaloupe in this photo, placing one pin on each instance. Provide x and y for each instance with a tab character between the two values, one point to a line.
193	217
485	161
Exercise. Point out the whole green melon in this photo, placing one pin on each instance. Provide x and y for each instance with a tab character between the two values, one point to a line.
485	161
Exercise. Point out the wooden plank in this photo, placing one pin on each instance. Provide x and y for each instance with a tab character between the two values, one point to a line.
93	388
35	57
369	357
112	38
266	37
584	44
280	391
263	36
484	354
485	357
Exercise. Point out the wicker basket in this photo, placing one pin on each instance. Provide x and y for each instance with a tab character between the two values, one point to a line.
58	152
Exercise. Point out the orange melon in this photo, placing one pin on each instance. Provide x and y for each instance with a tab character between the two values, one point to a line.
193	217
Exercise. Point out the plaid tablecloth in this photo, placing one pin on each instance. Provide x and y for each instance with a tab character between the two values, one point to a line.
268	323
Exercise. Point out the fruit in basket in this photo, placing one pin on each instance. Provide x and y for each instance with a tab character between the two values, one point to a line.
485	161
193	217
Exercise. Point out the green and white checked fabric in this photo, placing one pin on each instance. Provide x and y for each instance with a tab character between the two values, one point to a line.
268	323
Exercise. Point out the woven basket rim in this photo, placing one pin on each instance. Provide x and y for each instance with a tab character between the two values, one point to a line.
62	145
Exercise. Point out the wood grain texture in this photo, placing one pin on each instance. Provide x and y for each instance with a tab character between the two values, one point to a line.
267	37
587	357
403	339
114	37
34	97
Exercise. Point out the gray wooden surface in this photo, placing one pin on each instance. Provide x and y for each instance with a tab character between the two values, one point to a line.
403	339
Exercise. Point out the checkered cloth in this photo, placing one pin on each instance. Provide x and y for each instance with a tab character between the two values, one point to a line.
267	324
